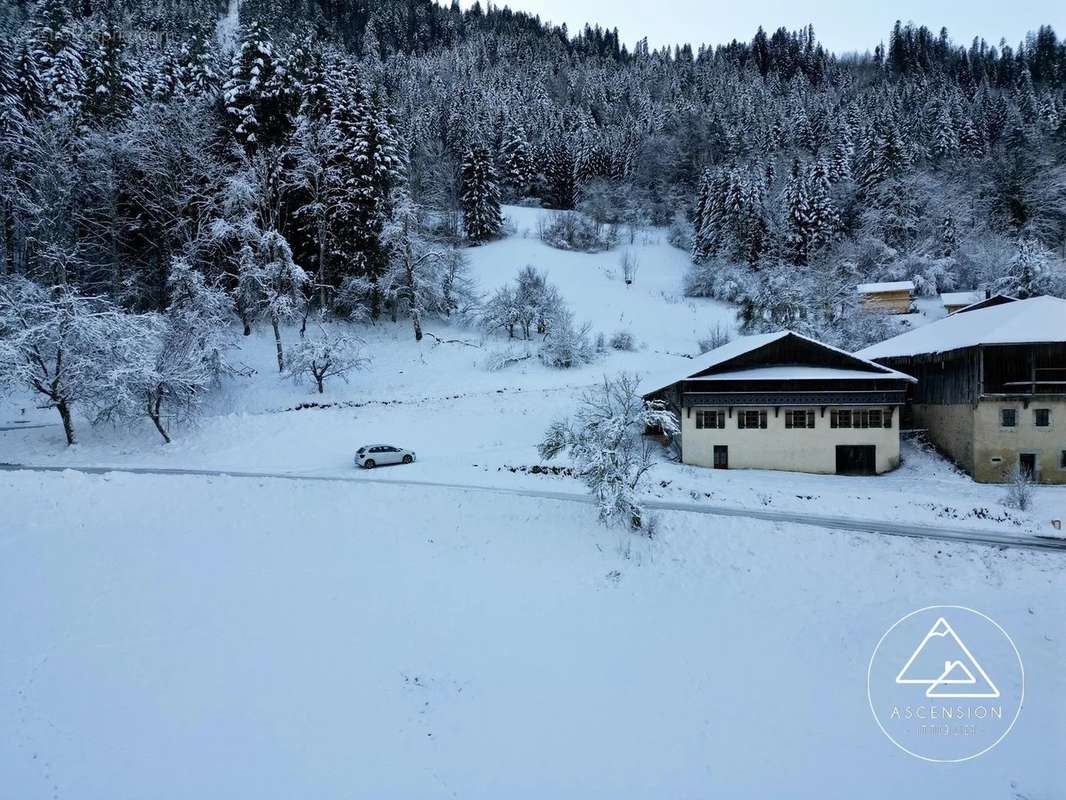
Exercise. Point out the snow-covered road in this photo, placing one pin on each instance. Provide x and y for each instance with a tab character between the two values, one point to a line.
858	525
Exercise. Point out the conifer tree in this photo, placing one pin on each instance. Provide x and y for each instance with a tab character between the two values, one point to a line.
28	83
516	161
800	227
59	59
824	219
109	91
560	172
369	168
254	93
480	195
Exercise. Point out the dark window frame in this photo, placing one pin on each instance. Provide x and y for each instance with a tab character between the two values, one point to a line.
806	419
744	416
709	419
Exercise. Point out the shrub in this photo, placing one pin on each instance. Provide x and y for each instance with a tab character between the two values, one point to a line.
569	230
622	340
566	345
715	338
1019	493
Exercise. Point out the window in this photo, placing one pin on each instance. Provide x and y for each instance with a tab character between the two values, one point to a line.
861	418
840	419
1042	417
751	419
1008	417
1062	460
710	419
799	419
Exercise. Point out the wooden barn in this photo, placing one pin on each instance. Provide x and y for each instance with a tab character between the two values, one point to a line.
784	401
895	297
991	389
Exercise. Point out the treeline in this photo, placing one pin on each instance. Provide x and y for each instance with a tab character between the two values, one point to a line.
341	153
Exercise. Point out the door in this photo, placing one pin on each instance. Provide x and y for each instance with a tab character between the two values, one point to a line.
721	457
390	455
856	459
1027	464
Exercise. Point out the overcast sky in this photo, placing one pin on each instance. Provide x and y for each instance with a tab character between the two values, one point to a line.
841	25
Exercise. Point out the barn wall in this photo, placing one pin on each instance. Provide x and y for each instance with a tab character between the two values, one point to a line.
994	441
777	447
950	428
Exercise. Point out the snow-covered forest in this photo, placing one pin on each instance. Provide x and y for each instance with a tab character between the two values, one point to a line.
174	172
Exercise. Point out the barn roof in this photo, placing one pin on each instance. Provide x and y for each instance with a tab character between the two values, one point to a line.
739	360
962	298
1038	319
890	286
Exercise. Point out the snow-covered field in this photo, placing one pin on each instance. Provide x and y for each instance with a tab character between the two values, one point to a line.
189	637
231	637
471	425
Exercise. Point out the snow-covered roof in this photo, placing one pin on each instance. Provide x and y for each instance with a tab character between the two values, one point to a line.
891	286
961	298
1038	319
798	373
746	344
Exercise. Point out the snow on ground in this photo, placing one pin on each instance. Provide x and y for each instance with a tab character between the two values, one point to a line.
186	637
232	637
470	425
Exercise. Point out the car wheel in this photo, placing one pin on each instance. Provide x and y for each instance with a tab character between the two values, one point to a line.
369	463
407	459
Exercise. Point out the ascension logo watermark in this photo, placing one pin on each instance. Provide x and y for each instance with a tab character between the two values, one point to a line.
945	683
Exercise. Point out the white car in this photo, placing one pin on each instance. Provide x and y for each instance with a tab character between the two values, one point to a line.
377	455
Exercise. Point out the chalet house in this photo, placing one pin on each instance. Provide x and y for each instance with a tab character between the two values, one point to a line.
896	297
784	401
991	388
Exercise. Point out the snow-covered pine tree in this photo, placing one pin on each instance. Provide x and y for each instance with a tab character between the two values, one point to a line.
480	195
109	89
516	161
28	83
842	153
824	218
57	52
885	154
311	83
369	167
559	171
199	66
945	139
254	93
799	237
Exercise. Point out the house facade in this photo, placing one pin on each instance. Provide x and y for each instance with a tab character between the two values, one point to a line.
786	402
991	390
894	297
